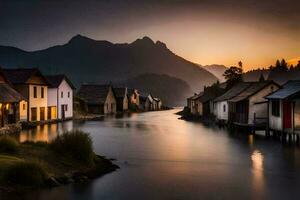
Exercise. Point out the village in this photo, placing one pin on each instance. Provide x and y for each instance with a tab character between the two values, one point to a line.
29	98
251	106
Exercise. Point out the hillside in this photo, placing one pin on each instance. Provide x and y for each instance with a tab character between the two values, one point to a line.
173	91
87	60
217	70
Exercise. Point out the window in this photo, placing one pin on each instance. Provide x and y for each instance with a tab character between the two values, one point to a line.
224	108
34	92
66	107
68	94
24	106
61	94
276	108
42	92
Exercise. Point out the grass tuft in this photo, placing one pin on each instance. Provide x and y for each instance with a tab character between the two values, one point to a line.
8	145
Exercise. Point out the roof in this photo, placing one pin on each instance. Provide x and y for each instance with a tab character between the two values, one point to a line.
21	75
196	96
93	94
234	91
8	94
251	90
211	94
130	91
55	80
289	89
156	99
120	92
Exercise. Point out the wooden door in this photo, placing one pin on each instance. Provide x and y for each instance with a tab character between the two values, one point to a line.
33	114
42	113
287	114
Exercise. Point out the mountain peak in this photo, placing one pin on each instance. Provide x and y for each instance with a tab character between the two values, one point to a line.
79	39
144	41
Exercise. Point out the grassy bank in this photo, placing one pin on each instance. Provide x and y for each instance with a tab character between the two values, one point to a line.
69	158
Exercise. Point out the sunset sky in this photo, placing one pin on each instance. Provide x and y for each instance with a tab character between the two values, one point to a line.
204	31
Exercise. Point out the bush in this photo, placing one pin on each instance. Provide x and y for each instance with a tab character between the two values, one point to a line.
30	173
8	145
76	144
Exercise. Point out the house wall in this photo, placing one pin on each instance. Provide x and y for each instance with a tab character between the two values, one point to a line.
65	97
125	103
199	107
110	105
52	97
37	102
275	122
221	114
23	110
297	115
260	110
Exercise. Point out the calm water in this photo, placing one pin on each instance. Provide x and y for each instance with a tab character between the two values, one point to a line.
162	157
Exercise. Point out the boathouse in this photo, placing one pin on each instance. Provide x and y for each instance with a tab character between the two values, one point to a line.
284	108
60	97
33	86
221	105
121	98
99	99
250	108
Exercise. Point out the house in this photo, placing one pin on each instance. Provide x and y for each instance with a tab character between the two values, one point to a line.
60	97
157	103
146	101
284	108
250	107
220	105
122	99
12	104
99	99
194	104
33	86
133	98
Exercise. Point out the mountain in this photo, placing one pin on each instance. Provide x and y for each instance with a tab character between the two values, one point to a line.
173	91
87	60
254	75
217	70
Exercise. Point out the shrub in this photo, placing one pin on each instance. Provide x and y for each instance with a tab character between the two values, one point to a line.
30	173
8	145
76	144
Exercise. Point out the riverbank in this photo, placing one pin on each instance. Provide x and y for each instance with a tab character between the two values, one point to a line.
28	166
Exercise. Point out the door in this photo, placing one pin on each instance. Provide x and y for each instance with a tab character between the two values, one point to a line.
63	111
49	113
287	114
42	113
33	114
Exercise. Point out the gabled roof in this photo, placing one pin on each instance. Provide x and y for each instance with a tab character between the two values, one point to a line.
234	91
130	91
196	96
22	75
93	94
211	93
8	94
289	89
120	92
251	90
55	80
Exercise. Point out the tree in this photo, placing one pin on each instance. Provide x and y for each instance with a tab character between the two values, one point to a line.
284	65
233	75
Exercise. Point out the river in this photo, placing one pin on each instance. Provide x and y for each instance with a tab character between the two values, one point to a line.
162	157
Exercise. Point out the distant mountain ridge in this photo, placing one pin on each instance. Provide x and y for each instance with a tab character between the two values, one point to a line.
86	60
217	70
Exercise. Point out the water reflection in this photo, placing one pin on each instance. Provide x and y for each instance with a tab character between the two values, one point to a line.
45	132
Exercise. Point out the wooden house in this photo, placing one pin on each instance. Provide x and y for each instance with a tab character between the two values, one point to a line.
284	108
121	98
221	106
99	99
146	101
194	104
33	86
60	97
11	103
249	107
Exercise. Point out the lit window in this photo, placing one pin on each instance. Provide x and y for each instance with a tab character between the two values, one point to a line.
24	106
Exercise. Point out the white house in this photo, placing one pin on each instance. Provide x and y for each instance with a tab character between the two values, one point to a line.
284	108
60	97
221	106
33	86
250	106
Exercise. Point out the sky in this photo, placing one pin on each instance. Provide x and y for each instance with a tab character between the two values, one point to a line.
257	32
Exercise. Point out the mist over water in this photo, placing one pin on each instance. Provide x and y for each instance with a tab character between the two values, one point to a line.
161	157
